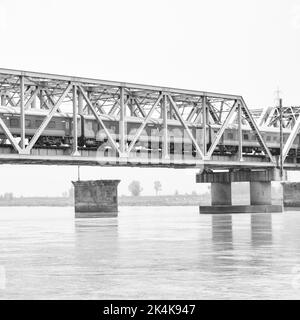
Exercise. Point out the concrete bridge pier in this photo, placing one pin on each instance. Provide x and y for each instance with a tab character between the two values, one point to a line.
222	194
260	193
96	198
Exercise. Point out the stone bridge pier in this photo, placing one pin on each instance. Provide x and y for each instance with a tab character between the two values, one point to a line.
222	193
96	198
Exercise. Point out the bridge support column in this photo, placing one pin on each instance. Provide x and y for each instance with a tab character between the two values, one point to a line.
260	193
221	192
291	194
96	198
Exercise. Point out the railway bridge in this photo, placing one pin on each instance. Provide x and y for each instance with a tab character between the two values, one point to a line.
64	120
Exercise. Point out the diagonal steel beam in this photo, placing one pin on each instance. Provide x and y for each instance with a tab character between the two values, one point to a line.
141	128
291	139
75	151
193	112
90	105
254	127
10	99
10	136
139	107
185	126
221	131
47	119
32	97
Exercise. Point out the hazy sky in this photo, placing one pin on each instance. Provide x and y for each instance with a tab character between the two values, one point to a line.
240	47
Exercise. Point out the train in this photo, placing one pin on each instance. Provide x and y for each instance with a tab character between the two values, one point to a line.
91	135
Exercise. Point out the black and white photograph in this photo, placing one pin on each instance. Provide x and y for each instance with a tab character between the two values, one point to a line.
149	151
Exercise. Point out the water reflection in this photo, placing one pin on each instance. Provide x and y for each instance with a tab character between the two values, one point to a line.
261	229
96	240
222	232
148	253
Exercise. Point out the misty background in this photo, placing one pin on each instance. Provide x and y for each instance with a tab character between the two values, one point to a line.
250	48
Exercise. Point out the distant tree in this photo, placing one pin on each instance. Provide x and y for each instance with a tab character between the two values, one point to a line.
157	186
135	188
194	193
176	193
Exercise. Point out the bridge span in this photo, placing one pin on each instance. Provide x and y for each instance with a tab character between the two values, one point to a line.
65	120
54	119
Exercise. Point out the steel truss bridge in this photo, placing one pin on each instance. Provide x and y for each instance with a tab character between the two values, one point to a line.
24	91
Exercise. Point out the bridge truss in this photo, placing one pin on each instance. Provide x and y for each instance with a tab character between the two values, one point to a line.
24	91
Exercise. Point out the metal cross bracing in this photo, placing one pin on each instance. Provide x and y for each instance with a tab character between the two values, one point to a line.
47	118
270	116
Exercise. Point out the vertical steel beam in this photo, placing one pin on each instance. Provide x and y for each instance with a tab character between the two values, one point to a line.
88	110
41	97
80	103
33	103
75	131
240	133
122	124
165	151
281	139
204	116
22	113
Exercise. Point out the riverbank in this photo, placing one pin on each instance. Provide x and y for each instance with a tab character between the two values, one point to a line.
165	200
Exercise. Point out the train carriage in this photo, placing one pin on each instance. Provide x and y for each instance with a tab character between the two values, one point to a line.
91	135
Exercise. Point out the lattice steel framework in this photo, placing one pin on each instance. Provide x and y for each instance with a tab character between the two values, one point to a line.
117	101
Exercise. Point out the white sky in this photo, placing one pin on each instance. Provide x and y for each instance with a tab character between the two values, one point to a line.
240	47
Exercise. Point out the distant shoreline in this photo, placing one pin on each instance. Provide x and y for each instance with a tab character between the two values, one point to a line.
130	201
165	200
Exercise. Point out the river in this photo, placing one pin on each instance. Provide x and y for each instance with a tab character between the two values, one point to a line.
148	253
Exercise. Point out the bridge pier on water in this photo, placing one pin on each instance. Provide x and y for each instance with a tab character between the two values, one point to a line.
222	191
96	198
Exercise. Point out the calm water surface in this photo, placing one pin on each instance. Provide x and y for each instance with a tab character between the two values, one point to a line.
148	253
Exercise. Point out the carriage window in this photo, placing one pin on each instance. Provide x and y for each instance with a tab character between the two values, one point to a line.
230	135
96	126
27	123
254	138
14	123
274	138
89	125
246	137
268	138
51	125
154	132
38	123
